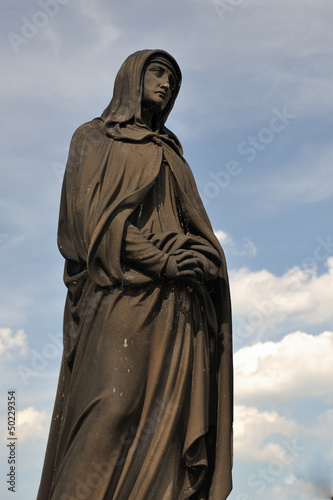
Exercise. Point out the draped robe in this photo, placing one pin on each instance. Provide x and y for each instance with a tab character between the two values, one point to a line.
144	402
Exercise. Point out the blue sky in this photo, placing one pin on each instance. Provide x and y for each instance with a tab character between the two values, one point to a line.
254	116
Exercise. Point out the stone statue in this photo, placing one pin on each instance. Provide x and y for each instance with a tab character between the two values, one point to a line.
144	403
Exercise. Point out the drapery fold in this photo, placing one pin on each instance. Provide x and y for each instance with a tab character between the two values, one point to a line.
144	402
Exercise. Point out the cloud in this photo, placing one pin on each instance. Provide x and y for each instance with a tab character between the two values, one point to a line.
223	237
245	247
261	299
32	425
300	488
11	343
288	67
283	454
324	427
255	431
64	76
300	365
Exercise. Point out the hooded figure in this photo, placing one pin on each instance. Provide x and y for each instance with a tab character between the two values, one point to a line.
144	403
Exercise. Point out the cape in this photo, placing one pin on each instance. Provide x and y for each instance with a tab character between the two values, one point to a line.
144	403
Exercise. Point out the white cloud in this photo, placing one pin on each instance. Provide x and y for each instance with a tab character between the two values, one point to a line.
300	365
11	343
299	488
32	424
245	247
254	441
323	429
68	71
223	237
261	299
283	453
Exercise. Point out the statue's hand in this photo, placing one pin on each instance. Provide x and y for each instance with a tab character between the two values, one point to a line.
184	265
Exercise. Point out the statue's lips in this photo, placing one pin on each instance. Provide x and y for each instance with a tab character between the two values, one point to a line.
161	93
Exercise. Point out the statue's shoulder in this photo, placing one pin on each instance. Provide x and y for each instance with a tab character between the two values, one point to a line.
92	128
86	139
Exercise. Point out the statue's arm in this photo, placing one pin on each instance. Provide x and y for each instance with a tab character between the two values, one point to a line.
196	260
209	256
140	253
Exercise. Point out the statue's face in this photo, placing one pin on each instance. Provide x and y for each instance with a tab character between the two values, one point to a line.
158	85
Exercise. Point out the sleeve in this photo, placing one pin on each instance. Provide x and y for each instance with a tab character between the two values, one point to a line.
209	257
142	254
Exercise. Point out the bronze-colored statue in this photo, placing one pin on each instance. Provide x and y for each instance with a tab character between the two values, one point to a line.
144	404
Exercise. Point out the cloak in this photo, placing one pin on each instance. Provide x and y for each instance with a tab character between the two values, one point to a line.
143	409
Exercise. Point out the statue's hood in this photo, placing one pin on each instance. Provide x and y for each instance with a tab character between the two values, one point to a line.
125	105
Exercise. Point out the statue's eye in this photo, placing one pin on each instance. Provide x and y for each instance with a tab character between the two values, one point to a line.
157	71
